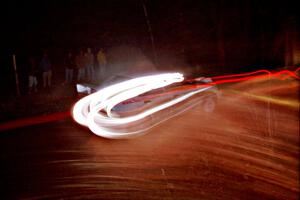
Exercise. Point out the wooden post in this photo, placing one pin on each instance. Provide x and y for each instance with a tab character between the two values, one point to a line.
16	74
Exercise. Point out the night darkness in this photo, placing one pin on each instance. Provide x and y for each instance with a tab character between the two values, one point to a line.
237	35
206	105
30	25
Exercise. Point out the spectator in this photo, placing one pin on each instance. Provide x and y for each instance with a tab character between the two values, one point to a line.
80	64
70	66
46	68
33	71
101	59
89	58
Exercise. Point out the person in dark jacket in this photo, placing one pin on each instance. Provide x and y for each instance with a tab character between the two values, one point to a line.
32	76
80	64
69	68
46	68
89	65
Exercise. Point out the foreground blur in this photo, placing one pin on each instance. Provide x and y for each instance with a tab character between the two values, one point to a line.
247	149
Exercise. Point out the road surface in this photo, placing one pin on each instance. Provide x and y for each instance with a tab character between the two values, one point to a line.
248	148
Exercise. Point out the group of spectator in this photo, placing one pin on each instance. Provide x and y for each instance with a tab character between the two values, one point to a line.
85	66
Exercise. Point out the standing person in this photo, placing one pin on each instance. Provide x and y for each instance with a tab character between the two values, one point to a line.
32	78
101	59
80	64
69	68
46	68
90	73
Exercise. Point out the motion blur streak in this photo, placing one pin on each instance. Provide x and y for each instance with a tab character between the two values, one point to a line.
282	75
284	102
33	121
89	110
245	149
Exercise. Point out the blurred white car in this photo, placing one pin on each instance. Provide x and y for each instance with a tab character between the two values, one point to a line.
207	98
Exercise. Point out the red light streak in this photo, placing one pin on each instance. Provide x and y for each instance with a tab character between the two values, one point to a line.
216	80
282	75
33	120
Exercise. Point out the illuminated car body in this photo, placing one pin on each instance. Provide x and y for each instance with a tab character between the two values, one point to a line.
208	98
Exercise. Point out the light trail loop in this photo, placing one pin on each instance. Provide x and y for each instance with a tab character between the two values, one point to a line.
95	110
88	111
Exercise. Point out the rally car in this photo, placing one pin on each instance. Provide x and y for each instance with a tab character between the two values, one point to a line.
207	97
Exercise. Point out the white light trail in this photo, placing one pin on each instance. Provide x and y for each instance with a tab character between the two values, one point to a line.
87	111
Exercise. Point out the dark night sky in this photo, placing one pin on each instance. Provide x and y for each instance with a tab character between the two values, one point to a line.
30	26
184	30
72	22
